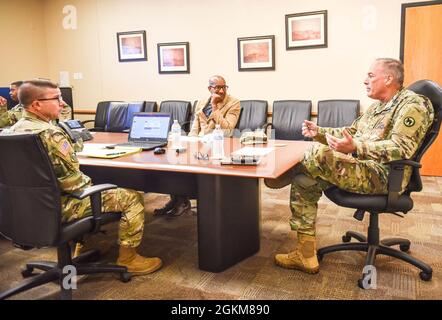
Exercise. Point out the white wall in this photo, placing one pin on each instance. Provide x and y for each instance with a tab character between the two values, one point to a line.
358	32
23	52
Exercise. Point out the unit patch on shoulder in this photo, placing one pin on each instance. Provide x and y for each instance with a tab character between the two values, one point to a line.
409	121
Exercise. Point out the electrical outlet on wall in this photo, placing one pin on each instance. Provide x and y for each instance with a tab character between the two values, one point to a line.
78	75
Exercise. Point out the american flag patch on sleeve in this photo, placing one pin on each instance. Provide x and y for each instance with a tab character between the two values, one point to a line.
65	147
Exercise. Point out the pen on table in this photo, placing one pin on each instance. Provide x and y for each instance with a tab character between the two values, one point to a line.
115	153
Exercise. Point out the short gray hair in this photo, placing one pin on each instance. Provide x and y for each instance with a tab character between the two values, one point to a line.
395	67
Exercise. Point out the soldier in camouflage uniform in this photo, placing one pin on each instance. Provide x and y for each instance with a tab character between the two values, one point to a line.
43	103
3	105
9	118
354	158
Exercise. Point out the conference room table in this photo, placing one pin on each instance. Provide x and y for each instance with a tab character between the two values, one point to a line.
228	196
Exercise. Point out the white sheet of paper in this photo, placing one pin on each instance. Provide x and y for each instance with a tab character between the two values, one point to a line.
251	151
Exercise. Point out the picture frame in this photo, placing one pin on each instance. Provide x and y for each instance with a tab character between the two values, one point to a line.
132	46
173	57
256	53
306	30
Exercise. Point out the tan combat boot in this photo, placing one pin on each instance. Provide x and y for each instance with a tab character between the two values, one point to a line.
136	264
303	257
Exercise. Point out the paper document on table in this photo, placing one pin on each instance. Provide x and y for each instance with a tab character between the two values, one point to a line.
100	151
252	152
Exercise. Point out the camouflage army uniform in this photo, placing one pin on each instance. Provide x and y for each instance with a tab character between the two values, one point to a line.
3	108
10	117
71	179
385	132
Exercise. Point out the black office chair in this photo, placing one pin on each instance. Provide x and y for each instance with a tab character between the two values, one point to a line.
180	111
287	118
150	106
116	117
30	214
66	93
101	114
337	113
133	107
391	203
253	116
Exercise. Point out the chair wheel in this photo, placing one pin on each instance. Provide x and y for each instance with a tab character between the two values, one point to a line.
125	277
404	247
346	238
320	256
425	276
27	272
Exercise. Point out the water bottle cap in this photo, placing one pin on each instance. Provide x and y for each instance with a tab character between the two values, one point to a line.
175	121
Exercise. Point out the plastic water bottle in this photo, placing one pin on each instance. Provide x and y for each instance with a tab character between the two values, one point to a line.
218	143
176	135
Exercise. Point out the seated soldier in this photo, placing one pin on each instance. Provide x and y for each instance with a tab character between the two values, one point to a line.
42	104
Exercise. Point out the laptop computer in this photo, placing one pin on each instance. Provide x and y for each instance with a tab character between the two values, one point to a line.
149	130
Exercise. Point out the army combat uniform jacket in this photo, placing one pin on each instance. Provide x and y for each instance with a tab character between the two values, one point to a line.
70	179
385	132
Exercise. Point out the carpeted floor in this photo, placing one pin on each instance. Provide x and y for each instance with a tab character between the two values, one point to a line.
175	241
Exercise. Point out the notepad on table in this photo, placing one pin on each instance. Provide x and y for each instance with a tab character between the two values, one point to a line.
98	151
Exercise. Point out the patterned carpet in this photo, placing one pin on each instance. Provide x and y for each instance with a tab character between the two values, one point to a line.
175	241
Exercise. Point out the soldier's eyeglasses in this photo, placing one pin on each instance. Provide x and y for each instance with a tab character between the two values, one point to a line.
59	98
201	156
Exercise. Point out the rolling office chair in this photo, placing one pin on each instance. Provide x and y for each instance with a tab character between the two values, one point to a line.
133	107
180	111
30	214
337	113
101	114
253	115
392	203
287	118
150	106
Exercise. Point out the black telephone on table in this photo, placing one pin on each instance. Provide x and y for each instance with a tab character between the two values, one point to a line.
75	128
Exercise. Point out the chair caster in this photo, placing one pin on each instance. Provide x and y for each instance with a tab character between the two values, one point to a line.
320	256
27	272
346	238
125	277
425	276
404	247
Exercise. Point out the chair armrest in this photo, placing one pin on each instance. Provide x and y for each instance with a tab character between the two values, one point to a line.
94	193
395	178
97	129
91	190
267	125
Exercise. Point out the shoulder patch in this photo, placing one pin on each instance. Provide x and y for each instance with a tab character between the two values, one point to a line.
64	147
409	121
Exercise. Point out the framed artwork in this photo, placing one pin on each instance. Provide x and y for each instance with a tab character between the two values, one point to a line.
173	57
256	53
306	30
132	46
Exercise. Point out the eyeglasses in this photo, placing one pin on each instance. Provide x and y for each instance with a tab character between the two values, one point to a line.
218	88
201	156
59	98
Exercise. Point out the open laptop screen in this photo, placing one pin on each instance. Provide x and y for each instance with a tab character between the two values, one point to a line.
150	126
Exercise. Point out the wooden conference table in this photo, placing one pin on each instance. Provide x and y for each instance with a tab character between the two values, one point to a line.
228	196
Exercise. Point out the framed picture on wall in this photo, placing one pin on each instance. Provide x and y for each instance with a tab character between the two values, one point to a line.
256	53
132	46
173	57
306	30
